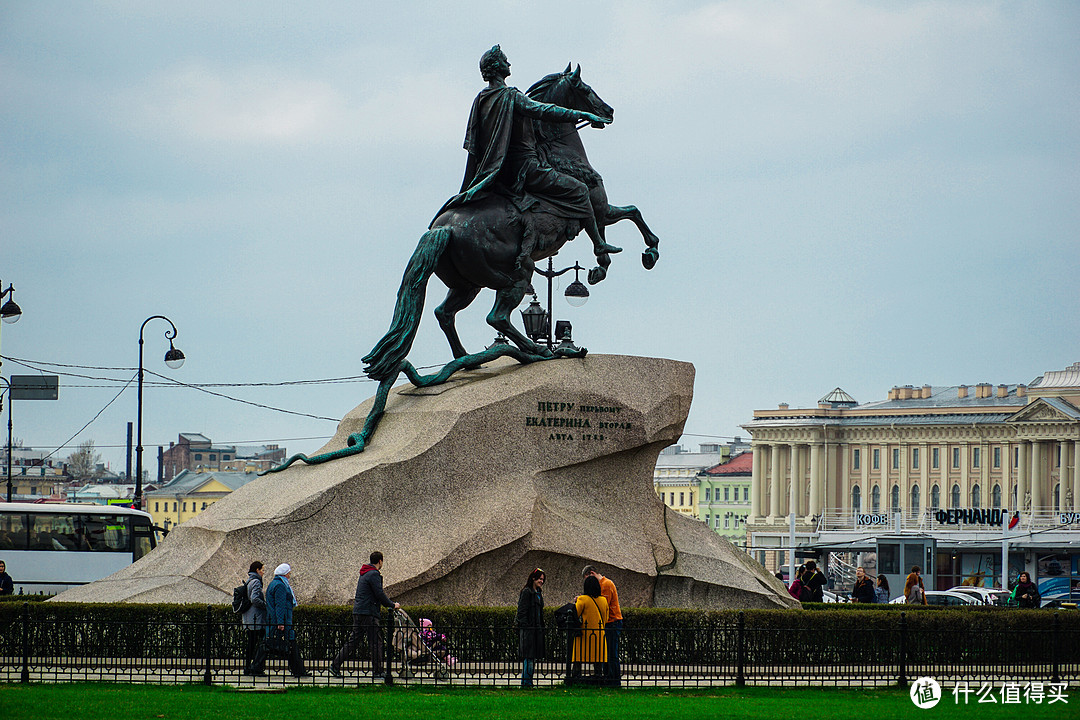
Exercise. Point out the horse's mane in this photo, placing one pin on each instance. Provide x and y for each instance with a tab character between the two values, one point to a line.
540	88
541	91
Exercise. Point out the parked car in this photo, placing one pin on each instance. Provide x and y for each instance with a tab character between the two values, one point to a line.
986	596
943	598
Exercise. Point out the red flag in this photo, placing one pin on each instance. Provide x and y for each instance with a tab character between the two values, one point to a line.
1014	521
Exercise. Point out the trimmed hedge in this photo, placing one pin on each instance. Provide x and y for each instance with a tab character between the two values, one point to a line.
825	634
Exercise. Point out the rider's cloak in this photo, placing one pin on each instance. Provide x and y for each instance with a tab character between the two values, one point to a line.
488	141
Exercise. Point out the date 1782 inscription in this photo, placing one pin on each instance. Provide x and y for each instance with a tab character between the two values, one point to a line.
570	422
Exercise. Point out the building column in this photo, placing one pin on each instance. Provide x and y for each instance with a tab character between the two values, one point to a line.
794	489
1022	448
842	491
1074	478
774	482
815	479
965	475
1038	475
902	475
756	481
924	477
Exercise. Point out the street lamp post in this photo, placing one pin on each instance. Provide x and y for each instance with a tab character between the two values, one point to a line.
576	294
8	435
10	313
174	359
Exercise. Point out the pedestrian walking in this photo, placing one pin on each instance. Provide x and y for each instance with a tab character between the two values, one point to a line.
366	604
254	618
280	635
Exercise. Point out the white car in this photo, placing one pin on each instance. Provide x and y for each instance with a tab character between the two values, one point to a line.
986	596
943	598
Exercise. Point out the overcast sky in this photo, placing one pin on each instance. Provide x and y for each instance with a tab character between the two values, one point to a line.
847	194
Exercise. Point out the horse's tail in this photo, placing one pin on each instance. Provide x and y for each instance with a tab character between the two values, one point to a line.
384	361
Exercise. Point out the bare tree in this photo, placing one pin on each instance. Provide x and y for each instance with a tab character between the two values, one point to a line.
82	465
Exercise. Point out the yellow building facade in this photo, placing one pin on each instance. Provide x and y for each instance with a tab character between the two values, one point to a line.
190	493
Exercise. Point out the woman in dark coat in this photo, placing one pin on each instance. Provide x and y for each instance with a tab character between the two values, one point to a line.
530	625
1026	593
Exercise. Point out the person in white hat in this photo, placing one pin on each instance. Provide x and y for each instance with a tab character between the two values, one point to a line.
280	636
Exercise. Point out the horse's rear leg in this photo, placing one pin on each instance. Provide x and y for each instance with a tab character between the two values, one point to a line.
615	213
457	299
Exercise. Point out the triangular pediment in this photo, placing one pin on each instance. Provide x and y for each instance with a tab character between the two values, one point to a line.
1047	410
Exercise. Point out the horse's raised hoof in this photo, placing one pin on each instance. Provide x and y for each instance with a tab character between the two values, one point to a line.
649	258
597	274
605	249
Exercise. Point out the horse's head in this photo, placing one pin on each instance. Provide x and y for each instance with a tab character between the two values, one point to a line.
568	90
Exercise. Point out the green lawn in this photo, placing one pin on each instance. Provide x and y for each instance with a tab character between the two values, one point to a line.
123	702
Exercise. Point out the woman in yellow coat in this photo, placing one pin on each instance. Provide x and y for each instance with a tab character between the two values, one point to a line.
590	646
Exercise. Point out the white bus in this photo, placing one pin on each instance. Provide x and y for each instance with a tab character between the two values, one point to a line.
50	547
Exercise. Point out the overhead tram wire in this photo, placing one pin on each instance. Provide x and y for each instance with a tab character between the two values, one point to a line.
91	420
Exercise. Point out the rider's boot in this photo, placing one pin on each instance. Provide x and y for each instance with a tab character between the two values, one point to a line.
599	246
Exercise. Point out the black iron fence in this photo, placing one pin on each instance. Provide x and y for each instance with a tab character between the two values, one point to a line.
208	647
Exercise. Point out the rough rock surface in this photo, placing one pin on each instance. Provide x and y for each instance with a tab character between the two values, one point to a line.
465	488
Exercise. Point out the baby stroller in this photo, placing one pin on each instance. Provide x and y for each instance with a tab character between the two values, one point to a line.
421	646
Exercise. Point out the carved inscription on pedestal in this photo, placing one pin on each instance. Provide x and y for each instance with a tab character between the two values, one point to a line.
564	421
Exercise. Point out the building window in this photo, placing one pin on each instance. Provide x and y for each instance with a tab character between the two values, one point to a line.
976	457
726	494
174	507
198	456
935	458
727	523
856	499
746	494
914	499
855	459
1059	448
1016	457
976	497
997	457
682	498
155	507
956	496
708	494
995	496
935	497
185	507
224	457
716	521
204	506
877	459
956	457
213	457
1057	498
895	498
915	458
896	459
691	497
875	499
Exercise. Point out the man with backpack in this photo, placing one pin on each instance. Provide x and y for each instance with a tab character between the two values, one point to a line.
252	613
815	581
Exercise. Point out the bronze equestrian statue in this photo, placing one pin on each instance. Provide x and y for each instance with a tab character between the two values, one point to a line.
528	190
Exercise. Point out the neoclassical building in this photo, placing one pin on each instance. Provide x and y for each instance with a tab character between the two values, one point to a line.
851	471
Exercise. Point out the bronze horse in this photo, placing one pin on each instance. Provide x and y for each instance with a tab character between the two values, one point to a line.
488	243
480	245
